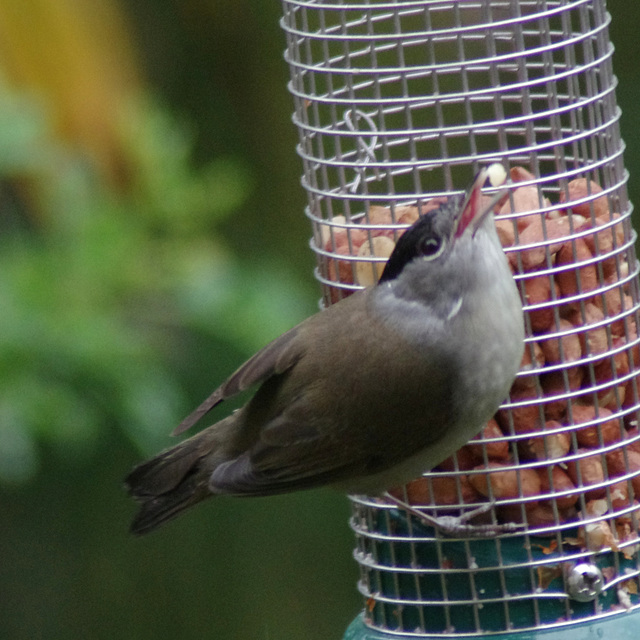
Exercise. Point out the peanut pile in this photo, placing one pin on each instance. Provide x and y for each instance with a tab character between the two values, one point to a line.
547	457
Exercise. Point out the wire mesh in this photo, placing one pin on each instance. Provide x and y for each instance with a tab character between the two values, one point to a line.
397	104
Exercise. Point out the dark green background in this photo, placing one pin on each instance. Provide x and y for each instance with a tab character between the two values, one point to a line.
272	569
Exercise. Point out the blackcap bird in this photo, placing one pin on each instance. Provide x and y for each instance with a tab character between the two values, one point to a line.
371	392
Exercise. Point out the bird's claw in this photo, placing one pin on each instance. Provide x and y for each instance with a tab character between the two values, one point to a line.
458	526
454	527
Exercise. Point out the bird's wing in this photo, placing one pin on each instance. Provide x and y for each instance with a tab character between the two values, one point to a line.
310	426
304	445
240	477
277	357
309	460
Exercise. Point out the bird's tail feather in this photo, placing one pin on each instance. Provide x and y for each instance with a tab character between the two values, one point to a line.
171	482
157	510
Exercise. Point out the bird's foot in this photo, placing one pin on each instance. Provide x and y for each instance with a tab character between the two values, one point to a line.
458	526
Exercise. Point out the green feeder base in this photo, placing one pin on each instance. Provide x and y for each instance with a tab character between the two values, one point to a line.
625	626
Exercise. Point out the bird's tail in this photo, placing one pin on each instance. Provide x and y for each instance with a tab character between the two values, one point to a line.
174	480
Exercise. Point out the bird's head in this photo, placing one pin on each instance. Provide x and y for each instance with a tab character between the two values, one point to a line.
434	236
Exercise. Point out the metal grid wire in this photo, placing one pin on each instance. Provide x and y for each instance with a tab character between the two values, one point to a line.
397	104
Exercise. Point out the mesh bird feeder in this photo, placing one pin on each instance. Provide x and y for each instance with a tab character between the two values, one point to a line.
397	104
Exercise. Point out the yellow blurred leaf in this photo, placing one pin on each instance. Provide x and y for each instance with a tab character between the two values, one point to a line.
79	55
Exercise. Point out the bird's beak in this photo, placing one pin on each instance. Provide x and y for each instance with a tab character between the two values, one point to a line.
474	208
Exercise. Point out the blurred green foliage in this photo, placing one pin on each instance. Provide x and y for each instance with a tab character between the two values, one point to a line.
121	308
99	293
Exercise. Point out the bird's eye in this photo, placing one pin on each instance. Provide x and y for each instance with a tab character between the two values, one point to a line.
431	246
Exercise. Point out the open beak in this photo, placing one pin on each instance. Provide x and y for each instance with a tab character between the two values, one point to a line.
474	207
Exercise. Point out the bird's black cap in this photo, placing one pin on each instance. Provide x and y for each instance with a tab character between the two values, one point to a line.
425	237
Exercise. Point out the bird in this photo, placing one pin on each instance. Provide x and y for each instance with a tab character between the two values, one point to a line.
370	392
